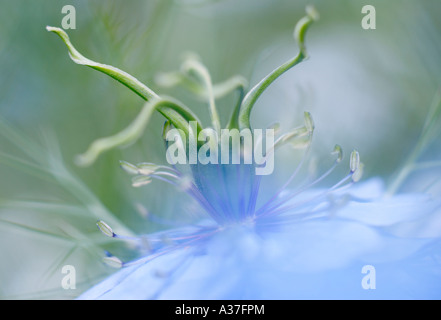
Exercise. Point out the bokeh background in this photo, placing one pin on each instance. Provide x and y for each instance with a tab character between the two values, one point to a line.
366	89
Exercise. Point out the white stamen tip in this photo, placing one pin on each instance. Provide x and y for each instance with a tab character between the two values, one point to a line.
146	168
357	175
128	167
339	152
113	262
355	161
105	228
140	181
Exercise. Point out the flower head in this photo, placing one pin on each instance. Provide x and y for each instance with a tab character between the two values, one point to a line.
248	245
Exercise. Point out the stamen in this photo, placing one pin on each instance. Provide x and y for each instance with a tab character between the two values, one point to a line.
295	217
356	166
128	167
322	177
356	176
289	137
113	262
161	178
191	238
258	141
311	201
146	168
105	228
354	161
299	137
165	174
274	126
140	181
339	152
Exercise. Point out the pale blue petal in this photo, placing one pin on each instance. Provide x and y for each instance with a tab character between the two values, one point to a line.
318	258
388	211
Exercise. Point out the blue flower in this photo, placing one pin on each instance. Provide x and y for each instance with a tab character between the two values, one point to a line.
345	241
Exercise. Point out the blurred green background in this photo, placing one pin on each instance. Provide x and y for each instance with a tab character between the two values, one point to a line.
367	89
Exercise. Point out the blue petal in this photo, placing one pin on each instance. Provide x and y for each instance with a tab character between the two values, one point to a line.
320	258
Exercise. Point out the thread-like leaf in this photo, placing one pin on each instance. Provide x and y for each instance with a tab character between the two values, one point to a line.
252	96
128	80
178	115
